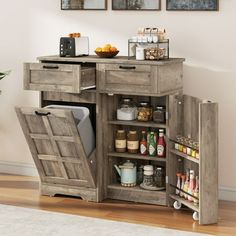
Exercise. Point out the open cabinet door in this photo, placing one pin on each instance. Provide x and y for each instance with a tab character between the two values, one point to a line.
56	147
196	119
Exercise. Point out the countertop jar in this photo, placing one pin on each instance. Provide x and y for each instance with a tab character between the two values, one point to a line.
159	115
145	111
127	110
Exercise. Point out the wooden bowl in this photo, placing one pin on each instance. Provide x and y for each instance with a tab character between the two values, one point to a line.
107	54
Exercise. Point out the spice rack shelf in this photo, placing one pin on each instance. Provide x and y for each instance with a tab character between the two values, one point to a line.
173	151
136	156
138	123
136	194
185	202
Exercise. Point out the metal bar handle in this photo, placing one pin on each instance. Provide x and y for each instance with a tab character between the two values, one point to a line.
42	114
51	67
128	67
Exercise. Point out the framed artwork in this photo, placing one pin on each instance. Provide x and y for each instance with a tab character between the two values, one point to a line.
83	4
192	5
141	5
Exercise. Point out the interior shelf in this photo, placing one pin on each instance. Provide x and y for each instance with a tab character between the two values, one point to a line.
138	123
184	156
185	202
136	156
136	194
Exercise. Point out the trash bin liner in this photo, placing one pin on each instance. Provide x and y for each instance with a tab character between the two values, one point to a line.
84	126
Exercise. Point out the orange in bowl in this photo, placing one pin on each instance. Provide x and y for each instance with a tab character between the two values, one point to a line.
107	51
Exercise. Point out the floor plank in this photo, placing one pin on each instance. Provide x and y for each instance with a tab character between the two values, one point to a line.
24	191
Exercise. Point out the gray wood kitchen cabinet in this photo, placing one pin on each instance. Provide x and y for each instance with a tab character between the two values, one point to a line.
56	147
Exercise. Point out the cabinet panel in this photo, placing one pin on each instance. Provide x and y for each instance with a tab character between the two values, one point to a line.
196	119
58	77
56	147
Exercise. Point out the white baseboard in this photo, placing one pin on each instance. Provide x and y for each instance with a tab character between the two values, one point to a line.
225	193
15	168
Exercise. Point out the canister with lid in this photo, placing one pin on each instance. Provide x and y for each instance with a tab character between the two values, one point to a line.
145	111
159	114
133	142
120	141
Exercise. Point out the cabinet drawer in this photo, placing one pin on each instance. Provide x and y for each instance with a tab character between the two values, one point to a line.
125	78
58	77
136	79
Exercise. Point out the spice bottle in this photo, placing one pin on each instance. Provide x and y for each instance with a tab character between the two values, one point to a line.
196	192
152	145
143	143
133	142
178	185
161	144
191	185
120	141
183	177
186	184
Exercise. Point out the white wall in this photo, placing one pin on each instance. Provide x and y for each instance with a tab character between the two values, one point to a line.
30	28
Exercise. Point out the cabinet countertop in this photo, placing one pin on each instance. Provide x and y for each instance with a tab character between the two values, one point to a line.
118	59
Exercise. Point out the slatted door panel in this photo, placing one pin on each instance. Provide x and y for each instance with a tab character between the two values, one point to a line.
56	146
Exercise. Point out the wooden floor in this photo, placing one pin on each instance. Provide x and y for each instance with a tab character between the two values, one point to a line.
24	191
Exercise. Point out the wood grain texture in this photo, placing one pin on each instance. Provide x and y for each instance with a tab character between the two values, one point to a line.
88	96
24	191
58	77
208	182
56	147
115	60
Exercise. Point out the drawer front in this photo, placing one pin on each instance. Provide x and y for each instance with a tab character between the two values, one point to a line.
58	77
125	78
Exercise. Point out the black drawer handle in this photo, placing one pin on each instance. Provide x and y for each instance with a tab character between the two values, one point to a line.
128	67
51	67
42	114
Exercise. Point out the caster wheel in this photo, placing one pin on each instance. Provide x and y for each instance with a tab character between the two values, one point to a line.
177	205
195	216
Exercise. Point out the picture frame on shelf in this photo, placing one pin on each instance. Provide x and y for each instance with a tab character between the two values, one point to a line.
137	5
83	4
192	5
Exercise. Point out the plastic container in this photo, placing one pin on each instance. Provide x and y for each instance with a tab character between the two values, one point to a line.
84	126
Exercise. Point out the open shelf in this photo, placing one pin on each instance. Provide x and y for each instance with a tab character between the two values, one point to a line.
138	123
136	194
185	202
184	156
135	156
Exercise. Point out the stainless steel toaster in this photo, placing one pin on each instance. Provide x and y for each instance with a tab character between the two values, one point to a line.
74	47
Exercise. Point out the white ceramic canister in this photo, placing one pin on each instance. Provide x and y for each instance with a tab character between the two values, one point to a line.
140	53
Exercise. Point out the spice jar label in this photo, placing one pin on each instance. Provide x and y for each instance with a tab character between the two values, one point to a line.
133	145
120	144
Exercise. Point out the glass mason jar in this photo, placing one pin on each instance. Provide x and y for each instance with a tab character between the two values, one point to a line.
127	110
145	111
159	177
159	115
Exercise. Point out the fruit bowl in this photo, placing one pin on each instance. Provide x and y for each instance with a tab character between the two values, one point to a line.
107	54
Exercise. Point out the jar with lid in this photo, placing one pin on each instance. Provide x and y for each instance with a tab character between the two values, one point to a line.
148	175
145	111
127	110
133	142
120	141
159	114
159	177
